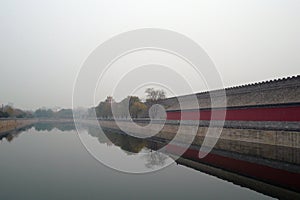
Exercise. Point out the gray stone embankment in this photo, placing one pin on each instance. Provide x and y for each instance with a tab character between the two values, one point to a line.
7	125
270	137
271	144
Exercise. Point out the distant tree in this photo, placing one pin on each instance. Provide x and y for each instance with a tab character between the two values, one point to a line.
21	115
18	113
44	113
29	114
121	108
103	110
134	105
64	113
137	108
131	105
9	110
153	95
4	114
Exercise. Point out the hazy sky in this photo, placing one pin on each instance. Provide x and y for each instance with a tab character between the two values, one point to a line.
44	43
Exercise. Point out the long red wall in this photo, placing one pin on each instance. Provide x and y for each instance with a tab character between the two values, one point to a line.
280	113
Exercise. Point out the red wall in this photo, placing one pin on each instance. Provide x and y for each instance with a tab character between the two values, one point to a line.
288	113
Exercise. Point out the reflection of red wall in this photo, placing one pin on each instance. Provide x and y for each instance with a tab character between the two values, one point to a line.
282	113
260	172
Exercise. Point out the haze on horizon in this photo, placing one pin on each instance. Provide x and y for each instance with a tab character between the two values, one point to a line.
44	43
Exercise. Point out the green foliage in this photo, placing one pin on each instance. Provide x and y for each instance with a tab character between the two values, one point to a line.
9	111
48	113
64	114
104	110
137	108
43	113
4	114
131	105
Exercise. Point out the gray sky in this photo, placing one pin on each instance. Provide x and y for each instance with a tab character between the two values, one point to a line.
44	43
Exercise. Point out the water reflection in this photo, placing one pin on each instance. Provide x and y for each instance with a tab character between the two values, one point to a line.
11	135
131	146
40	126
155	159
54	165
46	126
127	143
269	169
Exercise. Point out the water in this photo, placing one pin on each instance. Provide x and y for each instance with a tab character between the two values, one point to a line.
51	163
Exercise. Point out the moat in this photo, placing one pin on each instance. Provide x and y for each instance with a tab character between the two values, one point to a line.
47	157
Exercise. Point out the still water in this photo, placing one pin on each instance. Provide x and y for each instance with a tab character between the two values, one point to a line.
45	162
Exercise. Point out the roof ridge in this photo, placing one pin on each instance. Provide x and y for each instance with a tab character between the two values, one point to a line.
263	82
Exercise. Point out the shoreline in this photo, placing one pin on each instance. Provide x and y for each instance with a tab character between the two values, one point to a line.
7	125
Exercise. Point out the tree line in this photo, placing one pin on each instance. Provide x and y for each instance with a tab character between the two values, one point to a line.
131	106
8	111
11	112
48	113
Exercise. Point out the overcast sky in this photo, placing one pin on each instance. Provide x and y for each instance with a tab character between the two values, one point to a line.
44	43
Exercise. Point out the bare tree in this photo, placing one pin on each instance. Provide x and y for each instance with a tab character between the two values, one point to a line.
155	95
